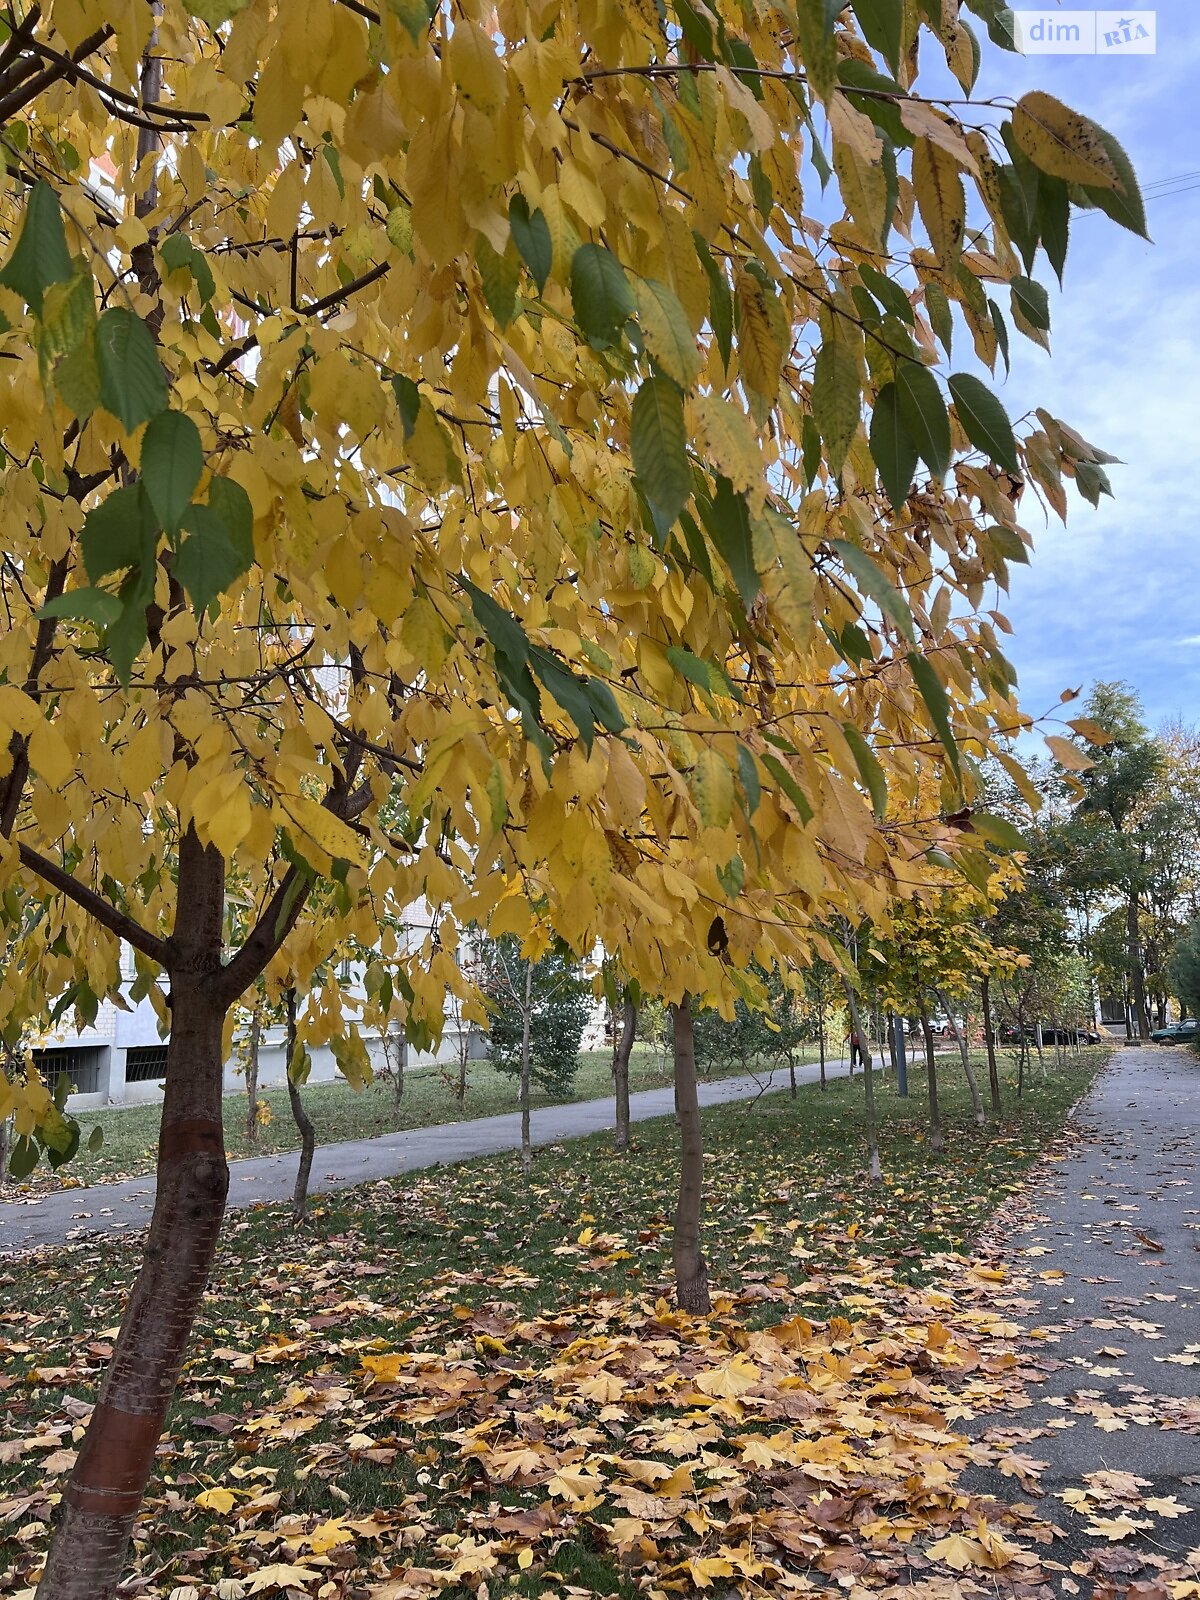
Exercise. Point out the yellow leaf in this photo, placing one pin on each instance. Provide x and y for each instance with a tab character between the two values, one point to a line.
222	1501
941	198
730	1380
1067	754
1062	142
319	824
476	68
712	789
49	755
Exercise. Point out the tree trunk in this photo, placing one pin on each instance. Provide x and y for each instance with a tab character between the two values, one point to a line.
901	1047
691	1273
526	1147
791	1076
621	1053
109	1478
936	1139
460	1087
308	1134
891	1041
1037	1039
1136	972
401	1062
875	1167
6	1128
993	1070
252	1072
965	1056
821	1044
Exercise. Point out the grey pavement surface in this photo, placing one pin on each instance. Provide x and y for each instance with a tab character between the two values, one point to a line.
1120	1221
29	1223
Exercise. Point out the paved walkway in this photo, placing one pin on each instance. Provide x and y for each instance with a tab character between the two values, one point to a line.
110	1207
1114	1258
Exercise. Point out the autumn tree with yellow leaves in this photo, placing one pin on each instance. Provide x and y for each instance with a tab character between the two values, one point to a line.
446	459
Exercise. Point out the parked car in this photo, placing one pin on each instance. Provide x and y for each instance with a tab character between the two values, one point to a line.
1176	1032
1011	1034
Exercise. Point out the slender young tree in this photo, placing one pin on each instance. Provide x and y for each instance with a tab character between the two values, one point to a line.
691	1271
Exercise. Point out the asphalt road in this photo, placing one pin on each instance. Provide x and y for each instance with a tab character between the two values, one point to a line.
27	1224
1115	1264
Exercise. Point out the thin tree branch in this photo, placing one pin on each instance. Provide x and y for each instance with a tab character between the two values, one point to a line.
104	912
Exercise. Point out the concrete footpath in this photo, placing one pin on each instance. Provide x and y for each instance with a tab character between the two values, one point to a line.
126	1205
1114	1259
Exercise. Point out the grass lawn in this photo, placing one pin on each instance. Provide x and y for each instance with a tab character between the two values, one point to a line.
340	1112
462	1378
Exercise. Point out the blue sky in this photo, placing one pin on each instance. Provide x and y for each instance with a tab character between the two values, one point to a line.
1115	593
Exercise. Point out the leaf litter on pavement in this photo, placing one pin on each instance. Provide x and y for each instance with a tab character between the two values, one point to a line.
460	1385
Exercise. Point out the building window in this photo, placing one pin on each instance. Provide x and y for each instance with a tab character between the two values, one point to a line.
146	1064
78	1063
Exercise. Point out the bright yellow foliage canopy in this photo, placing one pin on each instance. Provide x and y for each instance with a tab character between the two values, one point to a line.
460	454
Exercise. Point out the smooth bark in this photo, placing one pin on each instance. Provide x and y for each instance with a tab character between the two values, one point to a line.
990	1035
1137	971
937	1139
622	1050
965	1056
691	1272
526	1146
252	1050
105	1491
875	1167
308	1134
821	1044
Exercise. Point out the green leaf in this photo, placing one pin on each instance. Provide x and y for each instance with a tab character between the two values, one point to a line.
889	294
998	831
408	399
926	419
500	276
748	774
892	449
836	397
727	519
1008	543
1123	204
133	385
1032	301
705	675
115	533
600	295
92	605
40	256
790	788
1001	327
232	504
732	876
984	420
720	300
872	581
881	23
941	319
512	651
934	695
22	1158
1054	220
95	1138
180	254
818	43
206	562
869	769
399	228
658	440
415	15
172	461
666	330
531	235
